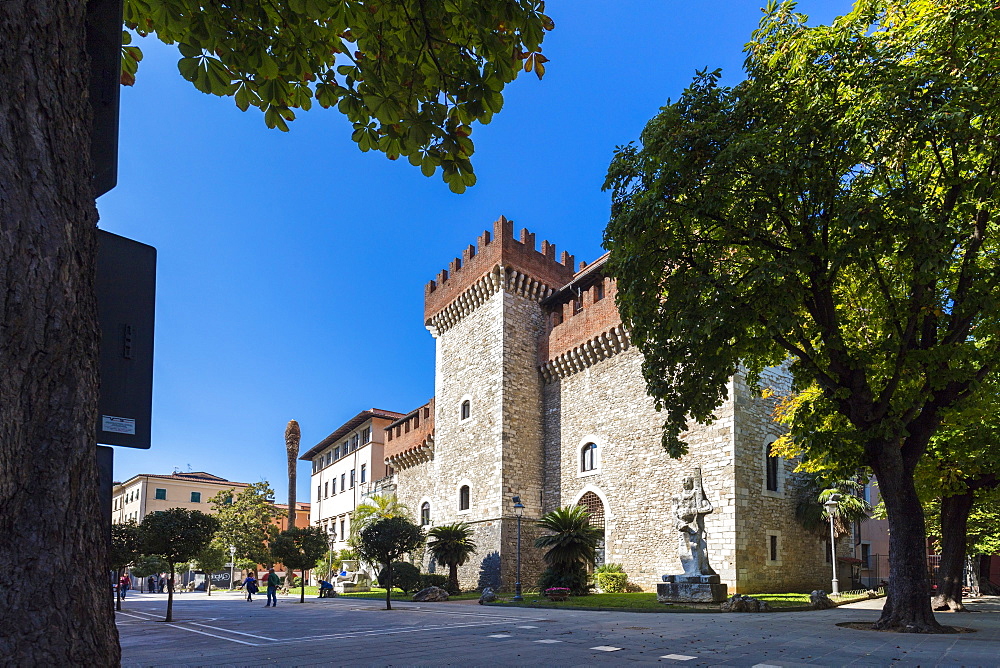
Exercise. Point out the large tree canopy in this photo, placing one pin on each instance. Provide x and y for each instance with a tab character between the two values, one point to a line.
835	210
411	75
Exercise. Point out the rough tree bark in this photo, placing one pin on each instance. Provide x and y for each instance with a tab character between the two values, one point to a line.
954	526
48	346
907	603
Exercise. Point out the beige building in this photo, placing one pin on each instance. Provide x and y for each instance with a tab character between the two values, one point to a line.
148	493
347	466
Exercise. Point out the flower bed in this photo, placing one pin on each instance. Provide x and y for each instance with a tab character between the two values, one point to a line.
556	593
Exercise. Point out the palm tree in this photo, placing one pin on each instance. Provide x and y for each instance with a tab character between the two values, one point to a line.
376	507
452	544
572	544
292	437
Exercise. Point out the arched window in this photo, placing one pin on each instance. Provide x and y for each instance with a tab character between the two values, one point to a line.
588	457
425	513
463	497
466	409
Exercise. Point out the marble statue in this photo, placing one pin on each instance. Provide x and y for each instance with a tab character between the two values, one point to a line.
690	508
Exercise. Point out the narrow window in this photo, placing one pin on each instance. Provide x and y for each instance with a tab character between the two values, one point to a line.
588	457
161	494
866	550
229	500
342	534
463	498
577	305
772	470
364	470
333	486
343	477
598	292
425	513
352	478
195	497
326	489
336	453
319	492
366	435
354	442
388	434
466	409
774	547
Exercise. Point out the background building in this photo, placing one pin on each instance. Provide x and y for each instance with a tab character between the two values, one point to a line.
146	493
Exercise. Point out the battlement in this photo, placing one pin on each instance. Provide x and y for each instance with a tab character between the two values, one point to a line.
497	248
582	310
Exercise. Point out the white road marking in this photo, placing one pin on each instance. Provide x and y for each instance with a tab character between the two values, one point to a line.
606	648
390	631
499	635
527	627
204	633
217	628
678	657
548	641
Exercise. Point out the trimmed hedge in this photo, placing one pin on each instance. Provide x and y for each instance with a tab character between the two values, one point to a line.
405	576
612	583
434	580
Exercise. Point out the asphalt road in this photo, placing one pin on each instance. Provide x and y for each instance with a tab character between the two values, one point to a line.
225	630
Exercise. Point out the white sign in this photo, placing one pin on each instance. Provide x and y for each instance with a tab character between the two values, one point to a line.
117	425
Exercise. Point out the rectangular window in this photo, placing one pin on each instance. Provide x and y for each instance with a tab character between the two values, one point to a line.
343	477
352	478
161	494
773	540
366	435
319	492
326	489
333	486
336	453
598	292
866	555
772	471
463	498
195	497
364	468
354	442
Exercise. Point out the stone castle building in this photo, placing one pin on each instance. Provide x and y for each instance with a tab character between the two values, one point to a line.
539	394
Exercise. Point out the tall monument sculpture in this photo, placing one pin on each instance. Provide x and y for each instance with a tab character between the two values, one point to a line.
698	583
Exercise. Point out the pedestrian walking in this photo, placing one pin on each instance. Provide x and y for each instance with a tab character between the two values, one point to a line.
151	581
250	583
124	584
163	583
272	587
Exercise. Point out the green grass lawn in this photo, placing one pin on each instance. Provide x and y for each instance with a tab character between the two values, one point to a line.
646	601
379	593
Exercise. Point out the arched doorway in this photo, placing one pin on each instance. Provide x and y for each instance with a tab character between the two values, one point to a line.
595	507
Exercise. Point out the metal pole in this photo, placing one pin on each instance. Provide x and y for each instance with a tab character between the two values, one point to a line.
232	566
835	585
517	585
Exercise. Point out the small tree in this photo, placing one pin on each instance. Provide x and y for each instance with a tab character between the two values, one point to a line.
452	544
571	546
124	551
385	541
247	520
177	535
301	548
213	558
148	564
375	508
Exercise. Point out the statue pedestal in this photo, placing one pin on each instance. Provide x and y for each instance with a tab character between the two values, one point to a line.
691	589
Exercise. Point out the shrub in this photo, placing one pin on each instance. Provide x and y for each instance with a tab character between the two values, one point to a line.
434	580
405	576
296	582
612	583
610	568
574	579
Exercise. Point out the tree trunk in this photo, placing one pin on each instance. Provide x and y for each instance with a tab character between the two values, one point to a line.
302	588
170	595
453	578
48	345
292	437
907	604
118	598
954	525
388	586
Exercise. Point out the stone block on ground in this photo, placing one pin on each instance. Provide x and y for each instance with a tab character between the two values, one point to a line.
820	601
744	603
431	595
488	596
683	592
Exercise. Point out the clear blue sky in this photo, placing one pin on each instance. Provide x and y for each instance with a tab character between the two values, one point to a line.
291	266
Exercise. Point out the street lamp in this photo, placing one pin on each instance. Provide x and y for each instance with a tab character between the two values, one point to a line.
519	511
831	511
331	540
232	565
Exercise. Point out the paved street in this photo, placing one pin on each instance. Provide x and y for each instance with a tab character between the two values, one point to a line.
225	630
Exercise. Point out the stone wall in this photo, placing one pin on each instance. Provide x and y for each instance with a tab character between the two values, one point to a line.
607	403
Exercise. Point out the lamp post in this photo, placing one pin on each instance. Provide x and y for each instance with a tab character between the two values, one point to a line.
831	511
519	511
232	566
332	540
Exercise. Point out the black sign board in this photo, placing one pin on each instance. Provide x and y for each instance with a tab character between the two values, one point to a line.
104	47
126	297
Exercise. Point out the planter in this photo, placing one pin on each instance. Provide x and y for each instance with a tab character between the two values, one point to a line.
557	597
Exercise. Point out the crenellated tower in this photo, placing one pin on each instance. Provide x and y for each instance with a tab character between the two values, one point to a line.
485	314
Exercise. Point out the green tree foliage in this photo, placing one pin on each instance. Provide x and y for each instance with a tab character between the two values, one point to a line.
148	564
247	521
836	210
385	541
452	544
177	535
815	491
211	559
569	547
374	508
405	576
300	548
411	76
124	551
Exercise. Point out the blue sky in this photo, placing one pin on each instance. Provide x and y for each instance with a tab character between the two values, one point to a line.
291	266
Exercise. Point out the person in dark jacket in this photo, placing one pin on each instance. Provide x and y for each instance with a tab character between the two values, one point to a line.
250	583
273	582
